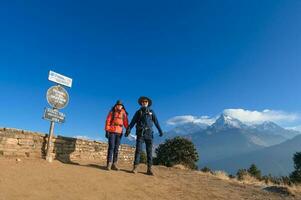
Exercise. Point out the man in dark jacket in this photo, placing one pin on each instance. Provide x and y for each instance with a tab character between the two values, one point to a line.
144	119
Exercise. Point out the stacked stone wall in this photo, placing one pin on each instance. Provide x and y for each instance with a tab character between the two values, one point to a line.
20	143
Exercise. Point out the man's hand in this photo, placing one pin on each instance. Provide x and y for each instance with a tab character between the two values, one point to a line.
161	133
127	132
107	134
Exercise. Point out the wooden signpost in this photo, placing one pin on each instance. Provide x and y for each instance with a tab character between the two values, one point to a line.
58	98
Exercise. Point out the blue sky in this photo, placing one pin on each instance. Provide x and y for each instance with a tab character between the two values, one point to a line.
191	57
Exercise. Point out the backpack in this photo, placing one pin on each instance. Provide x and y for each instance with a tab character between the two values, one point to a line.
141	114
113	113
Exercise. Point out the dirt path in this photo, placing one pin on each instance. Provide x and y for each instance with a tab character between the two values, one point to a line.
37	180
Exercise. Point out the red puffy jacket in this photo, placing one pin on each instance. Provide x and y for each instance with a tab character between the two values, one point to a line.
114	124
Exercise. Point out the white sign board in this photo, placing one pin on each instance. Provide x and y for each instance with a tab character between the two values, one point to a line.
60	79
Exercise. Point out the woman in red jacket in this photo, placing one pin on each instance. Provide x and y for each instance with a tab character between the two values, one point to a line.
116	120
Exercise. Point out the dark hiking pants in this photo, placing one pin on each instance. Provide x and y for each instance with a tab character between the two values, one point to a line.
114	142
149	148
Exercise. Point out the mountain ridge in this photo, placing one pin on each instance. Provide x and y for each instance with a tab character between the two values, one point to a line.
228	137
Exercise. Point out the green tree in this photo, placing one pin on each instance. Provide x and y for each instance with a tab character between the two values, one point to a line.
254	171
241	173
296	175
175	151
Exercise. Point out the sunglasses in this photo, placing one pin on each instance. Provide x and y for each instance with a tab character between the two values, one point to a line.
145	101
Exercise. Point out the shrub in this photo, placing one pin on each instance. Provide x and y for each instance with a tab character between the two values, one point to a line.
206	169
254	171
241	173
268	179
282	180
177	151
295	176
231	176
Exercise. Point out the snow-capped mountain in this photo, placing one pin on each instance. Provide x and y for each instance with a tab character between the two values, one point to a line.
272	128
182	130
222	123
268	131
228	137
265	134
225	122
268	125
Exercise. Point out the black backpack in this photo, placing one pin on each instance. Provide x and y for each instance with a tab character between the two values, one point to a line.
141	114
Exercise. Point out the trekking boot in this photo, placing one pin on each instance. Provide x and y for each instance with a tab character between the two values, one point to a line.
135	169
149	171
109	165
114	167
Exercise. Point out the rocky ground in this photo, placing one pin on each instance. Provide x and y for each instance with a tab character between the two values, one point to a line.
37	179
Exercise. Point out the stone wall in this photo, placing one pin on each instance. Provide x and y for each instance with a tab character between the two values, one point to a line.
20	143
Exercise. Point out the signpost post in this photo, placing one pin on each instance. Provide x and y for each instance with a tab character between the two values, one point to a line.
58	98
49	157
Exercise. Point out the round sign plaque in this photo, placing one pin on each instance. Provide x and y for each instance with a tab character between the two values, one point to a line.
57	97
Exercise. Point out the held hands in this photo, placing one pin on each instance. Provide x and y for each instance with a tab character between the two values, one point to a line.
128	132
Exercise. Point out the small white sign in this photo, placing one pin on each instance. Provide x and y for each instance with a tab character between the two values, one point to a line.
60	79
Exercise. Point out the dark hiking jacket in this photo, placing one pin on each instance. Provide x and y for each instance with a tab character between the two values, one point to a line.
144	119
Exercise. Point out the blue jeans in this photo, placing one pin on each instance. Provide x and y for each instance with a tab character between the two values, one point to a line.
114	142
149	148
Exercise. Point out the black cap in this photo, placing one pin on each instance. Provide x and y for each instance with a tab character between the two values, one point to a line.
119	102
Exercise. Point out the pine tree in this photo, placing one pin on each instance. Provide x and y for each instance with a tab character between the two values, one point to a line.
254	171
296	175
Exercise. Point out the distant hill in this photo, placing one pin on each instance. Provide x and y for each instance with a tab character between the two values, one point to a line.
229	137
276	160
228	140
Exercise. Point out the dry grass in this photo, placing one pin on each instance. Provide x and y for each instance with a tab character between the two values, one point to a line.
247	179
292	189
221	175
179	166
